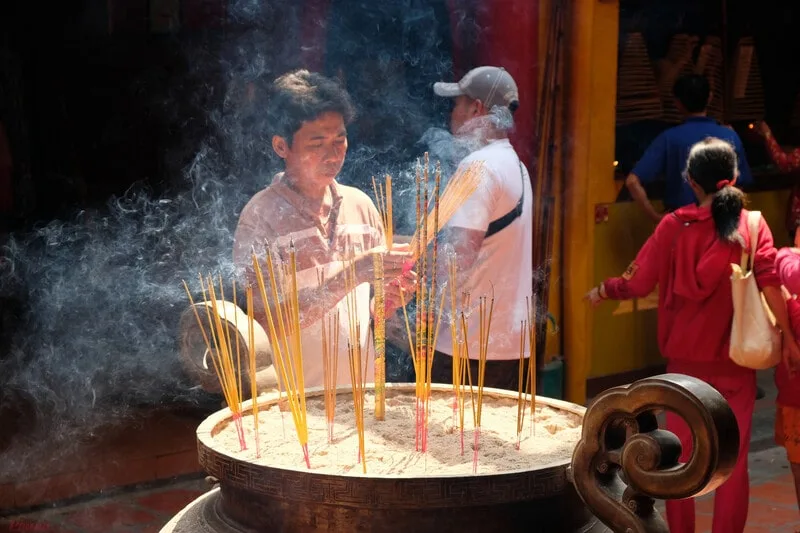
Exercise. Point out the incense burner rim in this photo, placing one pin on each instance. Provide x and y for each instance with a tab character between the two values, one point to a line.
207	430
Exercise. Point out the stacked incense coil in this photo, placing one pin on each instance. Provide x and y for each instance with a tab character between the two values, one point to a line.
746	89
637	92
677	63
709	64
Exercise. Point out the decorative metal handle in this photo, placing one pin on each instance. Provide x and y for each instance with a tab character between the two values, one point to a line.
624	461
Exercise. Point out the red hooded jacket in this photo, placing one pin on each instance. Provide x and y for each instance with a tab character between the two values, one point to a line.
787	263
692	267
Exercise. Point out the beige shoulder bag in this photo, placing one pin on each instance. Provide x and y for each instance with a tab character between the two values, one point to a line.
755	341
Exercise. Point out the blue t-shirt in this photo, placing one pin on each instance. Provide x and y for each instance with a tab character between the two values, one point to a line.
667	154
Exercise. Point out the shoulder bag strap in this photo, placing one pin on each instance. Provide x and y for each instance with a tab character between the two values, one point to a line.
753	221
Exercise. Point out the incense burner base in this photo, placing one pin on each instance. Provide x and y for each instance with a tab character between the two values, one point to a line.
206	515
264	497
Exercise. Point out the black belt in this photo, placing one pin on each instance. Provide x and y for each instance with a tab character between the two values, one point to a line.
501	223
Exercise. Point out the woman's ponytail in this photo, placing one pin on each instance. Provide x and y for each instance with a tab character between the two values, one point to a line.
726	208
712	164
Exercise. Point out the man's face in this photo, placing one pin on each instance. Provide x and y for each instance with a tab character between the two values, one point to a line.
317	152
464	110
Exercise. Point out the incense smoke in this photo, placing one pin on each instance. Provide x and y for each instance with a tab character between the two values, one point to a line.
101	291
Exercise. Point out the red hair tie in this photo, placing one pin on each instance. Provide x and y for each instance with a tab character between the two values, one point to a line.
722	184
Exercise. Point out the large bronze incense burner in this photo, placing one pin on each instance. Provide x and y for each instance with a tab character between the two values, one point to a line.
621	465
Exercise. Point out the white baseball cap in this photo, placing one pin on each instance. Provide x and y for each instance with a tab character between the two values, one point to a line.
491	85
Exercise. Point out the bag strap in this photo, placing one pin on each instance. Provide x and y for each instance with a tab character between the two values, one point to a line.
753	222
501	223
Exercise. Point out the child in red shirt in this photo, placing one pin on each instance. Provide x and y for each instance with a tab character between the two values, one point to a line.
787	418
689	257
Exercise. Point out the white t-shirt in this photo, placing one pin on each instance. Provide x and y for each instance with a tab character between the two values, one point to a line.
505	260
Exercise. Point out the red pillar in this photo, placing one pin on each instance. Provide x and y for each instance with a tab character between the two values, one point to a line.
509	39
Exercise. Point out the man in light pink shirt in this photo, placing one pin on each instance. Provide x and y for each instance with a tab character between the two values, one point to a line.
327	222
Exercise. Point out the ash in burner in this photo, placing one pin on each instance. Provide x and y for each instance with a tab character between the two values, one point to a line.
390	444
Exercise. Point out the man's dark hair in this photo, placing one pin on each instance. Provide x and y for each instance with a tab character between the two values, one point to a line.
301	96
692	91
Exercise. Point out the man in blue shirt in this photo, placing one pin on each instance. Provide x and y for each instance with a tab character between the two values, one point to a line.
666	156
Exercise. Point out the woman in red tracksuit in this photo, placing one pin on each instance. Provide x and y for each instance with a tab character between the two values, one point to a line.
689	257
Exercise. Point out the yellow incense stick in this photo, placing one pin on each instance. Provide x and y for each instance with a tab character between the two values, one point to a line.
285	338
380	338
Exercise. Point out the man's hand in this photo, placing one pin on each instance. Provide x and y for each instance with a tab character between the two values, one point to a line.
405	285
393	262
639	194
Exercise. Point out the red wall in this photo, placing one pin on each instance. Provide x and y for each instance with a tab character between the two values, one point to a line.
510	39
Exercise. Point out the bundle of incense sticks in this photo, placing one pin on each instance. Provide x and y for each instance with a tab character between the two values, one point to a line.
532	360
282	309
461	186
483	345
521	403
464	376
225	357
427	321
251	340
330	359
455	345
380	338
358	373
383	199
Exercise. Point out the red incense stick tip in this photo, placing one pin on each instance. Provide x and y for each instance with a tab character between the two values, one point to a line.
306	457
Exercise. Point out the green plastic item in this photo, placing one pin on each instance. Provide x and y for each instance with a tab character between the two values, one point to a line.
552	380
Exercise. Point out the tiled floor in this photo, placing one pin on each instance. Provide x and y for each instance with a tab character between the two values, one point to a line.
773	505
156	445
137	511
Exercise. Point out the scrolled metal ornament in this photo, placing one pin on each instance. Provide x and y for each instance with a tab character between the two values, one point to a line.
624	462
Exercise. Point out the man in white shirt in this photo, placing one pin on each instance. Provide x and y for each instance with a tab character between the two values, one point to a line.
492	233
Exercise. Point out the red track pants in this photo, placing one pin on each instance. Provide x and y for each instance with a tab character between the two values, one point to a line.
732	497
